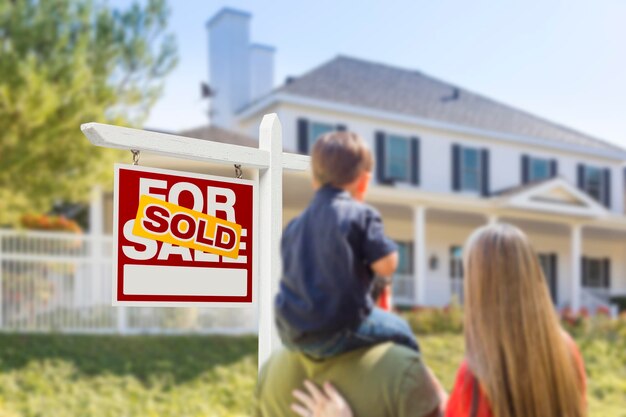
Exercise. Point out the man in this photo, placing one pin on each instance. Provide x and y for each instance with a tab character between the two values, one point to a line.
385	380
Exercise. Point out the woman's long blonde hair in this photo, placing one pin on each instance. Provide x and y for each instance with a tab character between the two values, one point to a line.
514	343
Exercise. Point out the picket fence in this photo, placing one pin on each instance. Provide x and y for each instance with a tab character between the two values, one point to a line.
61	282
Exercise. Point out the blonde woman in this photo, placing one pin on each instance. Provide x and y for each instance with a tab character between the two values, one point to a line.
518	361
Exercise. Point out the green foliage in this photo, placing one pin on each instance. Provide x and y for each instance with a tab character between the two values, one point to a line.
63	63
56	375
425	320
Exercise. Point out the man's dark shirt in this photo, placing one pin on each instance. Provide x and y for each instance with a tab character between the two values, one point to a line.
327	252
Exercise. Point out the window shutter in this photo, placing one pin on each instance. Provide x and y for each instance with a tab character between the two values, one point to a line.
583	270
485	173
303	136
606	270
525	169
380	158
554	168
554	279
456	167
341	128
410	261
415	160
607	188
581	176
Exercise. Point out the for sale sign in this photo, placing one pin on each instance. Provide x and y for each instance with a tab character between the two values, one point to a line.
181	238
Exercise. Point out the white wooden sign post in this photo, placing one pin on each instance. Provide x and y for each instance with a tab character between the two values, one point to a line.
268	159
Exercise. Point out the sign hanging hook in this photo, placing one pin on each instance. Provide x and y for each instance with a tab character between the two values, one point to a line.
135	153
238	171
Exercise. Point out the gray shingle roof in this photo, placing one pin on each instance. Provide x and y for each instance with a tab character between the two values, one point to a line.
368	84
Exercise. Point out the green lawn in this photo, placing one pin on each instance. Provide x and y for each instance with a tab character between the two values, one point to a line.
197	376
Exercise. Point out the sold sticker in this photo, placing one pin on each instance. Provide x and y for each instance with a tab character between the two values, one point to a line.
170	223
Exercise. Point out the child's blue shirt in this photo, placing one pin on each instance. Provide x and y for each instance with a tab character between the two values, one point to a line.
327	252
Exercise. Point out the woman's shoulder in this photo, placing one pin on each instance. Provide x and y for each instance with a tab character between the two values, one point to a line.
467	397
577	357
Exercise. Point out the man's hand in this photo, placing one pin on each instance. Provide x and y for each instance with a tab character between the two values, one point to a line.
386	266
315	403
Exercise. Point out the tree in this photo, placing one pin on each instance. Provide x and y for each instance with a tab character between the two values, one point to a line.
63	63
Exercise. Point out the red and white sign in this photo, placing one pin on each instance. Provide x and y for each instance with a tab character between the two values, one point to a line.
182	239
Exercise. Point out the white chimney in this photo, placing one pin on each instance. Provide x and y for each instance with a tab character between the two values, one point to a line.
229	64
261	70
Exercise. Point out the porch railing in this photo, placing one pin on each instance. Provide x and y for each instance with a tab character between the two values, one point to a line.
62	282
596	299
403	290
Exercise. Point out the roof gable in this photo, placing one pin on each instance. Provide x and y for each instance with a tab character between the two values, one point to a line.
553	196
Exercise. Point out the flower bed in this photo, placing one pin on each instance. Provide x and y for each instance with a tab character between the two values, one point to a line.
49	223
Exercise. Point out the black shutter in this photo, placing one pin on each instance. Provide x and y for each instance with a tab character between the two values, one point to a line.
380	158
606	270
456	167
554	278
303	136
554	168
485	189
607	188
410	254
341	128
583	270
415	161
581	176
525	169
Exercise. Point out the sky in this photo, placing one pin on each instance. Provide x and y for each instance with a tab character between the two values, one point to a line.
561	60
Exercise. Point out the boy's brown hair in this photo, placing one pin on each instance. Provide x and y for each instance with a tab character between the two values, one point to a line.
338	158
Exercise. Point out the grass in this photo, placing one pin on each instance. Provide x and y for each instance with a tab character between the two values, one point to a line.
53	375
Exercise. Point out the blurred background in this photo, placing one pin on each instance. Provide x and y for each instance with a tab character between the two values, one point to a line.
476	112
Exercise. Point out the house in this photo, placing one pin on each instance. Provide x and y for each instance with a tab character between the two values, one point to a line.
448	160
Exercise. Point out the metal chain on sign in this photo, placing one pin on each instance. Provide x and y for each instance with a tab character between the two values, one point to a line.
135	153
238	171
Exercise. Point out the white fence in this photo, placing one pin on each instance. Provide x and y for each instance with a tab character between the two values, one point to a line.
62	282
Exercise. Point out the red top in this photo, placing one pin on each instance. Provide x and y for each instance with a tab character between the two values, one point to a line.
460	402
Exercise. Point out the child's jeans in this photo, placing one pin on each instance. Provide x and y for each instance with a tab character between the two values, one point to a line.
380	326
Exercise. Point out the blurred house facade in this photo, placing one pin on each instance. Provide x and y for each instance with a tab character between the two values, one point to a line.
447	161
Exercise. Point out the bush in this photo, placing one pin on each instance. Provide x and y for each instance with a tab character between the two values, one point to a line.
49	223
449	319
425	320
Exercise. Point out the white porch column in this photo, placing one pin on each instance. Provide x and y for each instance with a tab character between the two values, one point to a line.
492	219
575	257
419	253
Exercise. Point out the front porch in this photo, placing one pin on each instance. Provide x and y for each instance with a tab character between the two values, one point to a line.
581	246
584	265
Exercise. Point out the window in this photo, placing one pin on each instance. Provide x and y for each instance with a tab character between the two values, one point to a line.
470	169
548	262
456	273
546	265
539	169
595	273
456	262
403	283
398	158
593	182
404	258
318	129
